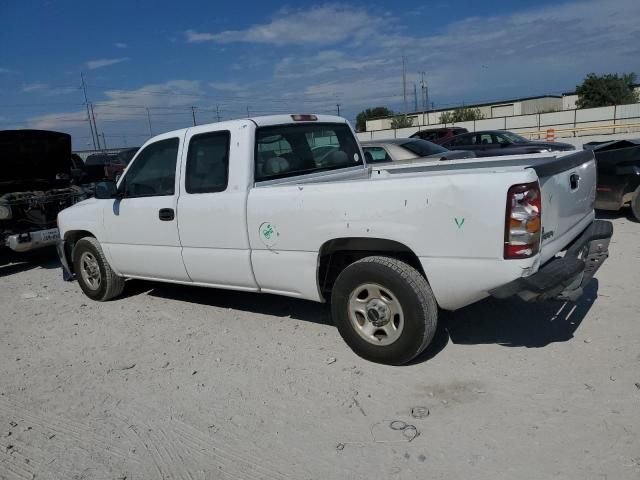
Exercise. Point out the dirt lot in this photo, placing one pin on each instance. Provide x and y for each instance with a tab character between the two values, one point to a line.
186	383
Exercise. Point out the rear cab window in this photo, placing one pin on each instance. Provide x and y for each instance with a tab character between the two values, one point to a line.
378	154
207	168
422	148
290	150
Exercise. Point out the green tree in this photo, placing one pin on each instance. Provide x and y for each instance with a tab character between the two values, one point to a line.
401	121
462	114
606	90
370	114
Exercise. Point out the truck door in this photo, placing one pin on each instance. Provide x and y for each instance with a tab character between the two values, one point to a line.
141	228
212	208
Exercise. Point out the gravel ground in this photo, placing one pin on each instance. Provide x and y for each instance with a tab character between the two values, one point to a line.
173	382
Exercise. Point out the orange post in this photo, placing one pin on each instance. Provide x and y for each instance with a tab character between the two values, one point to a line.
551	135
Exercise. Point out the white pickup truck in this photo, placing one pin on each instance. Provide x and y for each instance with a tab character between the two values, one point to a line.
287	205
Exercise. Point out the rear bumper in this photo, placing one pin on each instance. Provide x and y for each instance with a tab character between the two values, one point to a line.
564	278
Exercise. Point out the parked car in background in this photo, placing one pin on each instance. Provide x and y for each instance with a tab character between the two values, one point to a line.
491	143
78	170
101	166
408	149
618	164
439	135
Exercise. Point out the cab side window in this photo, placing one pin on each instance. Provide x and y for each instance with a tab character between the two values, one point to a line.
153	172
208	163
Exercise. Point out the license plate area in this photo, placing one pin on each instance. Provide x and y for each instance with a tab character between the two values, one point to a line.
51	235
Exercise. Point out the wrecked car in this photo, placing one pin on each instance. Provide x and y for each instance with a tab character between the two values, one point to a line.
618	164
35	184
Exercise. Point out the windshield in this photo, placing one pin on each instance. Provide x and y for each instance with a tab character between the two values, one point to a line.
289	150
423	148
513	138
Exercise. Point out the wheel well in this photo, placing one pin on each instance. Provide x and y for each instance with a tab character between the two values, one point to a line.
70	240
335	255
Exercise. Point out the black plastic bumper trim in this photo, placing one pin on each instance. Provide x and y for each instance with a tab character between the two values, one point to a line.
564	277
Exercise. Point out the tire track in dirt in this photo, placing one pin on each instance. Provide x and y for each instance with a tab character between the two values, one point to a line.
60	426
173	435
158	447
10	466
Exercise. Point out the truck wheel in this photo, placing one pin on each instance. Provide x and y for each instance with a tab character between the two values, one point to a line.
95	276
635	204
384	309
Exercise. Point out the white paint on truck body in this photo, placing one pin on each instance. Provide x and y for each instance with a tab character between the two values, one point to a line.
267	236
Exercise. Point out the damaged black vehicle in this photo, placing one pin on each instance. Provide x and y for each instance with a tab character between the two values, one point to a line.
35	184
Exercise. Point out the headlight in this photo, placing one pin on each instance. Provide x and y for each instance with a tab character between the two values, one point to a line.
5	212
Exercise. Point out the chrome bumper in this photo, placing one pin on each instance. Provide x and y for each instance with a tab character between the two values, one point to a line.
23	242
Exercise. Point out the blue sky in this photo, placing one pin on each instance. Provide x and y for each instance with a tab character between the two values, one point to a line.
274	57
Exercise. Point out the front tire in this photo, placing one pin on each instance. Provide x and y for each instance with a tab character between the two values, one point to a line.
384	309
97	279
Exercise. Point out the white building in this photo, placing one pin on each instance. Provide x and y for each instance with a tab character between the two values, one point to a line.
506	108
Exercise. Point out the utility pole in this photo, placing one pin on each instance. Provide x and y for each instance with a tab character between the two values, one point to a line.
149	119
338	107
84	89
404	84
248	111
193	114
415	97
104	141
95	127
424	94
218	112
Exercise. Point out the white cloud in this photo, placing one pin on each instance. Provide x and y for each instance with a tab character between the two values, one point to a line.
321	25
120	45
129	105
194	37
45	89
227	86
6	70
104	62
34	87
324	62
57	121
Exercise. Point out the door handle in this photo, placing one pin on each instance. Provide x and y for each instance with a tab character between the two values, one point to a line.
166	214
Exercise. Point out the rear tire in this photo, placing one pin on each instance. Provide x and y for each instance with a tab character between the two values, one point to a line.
635	204
97	279
384	309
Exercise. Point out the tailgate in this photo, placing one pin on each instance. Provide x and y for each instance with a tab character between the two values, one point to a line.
568	185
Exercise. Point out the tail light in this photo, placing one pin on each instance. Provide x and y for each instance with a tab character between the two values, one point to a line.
523	223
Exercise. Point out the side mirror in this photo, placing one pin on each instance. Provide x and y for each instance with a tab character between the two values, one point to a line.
106	190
